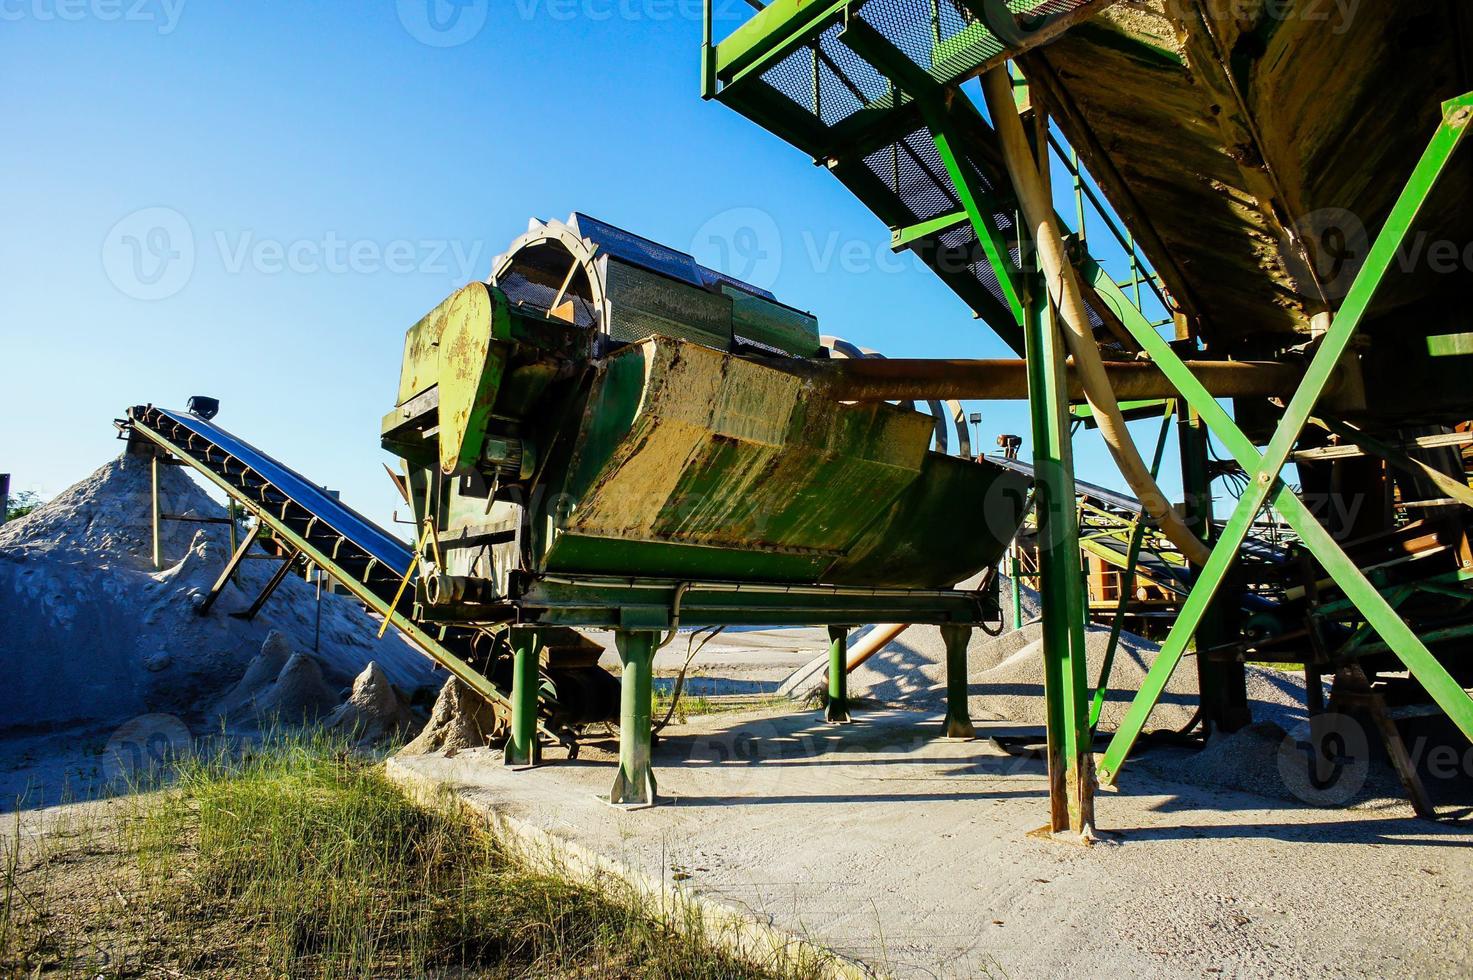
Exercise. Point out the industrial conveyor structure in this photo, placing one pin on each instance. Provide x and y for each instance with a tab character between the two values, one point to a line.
1270	181
300	522
606	434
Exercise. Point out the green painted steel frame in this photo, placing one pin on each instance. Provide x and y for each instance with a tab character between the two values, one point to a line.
1066	682
836	712
1265	485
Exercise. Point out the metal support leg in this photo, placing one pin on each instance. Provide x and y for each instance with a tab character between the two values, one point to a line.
237	556
635	784
1015	577
522	747
158	554
1066	685
277	577
1265	467
1222	685
958	712
230	514
837	712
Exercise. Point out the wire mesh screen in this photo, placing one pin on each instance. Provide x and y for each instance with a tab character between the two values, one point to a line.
951	39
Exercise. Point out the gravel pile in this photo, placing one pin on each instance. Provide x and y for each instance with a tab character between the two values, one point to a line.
93	636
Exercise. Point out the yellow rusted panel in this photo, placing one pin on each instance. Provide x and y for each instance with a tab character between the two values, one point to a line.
730	452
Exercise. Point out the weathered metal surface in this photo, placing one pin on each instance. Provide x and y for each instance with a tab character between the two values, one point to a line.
1255	146
769	476
897	379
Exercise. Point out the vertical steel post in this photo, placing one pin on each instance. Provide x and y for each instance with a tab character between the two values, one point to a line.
1016	579
522	749
635	783
230	513
837	712
1066	686
1222	686
958	713
158	556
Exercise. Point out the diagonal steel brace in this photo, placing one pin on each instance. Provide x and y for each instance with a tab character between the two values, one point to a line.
1265	468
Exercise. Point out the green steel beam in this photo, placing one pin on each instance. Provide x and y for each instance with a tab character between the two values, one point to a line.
635	783
979	208
901	237
522	748
1265	467
958	723
1066	685
773	34
837	711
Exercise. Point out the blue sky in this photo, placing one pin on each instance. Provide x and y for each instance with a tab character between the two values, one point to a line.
323	176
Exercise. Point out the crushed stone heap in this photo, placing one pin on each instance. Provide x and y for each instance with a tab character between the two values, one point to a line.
92	636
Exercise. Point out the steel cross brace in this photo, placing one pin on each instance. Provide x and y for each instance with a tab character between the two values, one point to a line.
236	557
1265	467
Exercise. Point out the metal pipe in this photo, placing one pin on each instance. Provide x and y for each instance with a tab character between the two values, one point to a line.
878	639
899	379
1063	289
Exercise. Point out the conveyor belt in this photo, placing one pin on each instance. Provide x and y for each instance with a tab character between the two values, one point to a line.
368	561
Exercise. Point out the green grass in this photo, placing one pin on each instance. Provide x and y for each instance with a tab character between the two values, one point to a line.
299	859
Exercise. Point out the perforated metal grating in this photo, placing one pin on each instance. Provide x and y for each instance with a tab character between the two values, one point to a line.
947	41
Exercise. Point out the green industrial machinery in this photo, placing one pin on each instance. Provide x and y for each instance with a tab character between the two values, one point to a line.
1270	183
607	434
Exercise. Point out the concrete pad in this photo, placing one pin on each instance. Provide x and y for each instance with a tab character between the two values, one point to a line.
914	856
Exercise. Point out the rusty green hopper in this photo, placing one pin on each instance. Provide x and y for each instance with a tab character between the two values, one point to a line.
545	450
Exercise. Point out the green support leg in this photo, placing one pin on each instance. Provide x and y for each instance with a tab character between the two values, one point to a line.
1265	467
635	784
522	747
1061	582
1015	577
837	712
958	713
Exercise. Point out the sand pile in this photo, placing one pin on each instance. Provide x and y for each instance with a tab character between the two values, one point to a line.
374	711
461	719
92	636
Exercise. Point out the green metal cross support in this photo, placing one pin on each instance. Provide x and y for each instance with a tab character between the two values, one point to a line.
522	748
1265	485
837	712
958	714
635	783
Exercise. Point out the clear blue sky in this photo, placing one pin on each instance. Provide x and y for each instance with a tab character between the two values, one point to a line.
323	177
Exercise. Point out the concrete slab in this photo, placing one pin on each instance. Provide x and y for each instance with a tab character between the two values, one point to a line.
914	856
